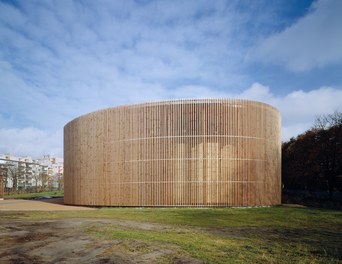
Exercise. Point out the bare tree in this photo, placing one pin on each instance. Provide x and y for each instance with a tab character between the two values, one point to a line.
60	182
329	132
13	174
43	177
3	178
325	122
36	177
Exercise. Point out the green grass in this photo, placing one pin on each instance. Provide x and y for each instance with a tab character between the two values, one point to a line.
251	235
256	247
34	195
212	218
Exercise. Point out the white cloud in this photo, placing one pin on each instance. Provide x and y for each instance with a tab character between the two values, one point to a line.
31	141
157	42
257	92
298	108
314	41
194	91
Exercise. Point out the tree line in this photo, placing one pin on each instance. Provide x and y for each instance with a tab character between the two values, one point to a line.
312	161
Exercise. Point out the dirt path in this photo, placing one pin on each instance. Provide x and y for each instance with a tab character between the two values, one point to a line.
66	241
54	204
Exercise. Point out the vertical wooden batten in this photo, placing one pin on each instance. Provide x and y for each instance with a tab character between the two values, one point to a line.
200	152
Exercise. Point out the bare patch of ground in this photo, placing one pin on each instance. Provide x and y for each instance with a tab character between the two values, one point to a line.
65	241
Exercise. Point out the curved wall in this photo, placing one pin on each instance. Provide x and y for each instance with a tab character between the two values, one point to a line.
212	152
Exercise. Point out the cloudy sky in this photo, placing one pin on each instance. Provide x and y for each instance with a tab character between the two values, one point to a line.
61	59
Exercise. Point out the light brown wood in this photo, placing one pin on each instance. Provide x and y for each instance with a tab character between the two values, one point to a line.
211	152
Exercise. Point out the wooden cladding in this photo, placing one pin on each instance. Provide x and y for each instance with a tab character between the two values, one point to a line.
212	152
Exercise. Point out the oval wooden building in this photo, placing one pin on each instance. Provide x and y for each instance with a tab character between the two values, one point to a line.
211	152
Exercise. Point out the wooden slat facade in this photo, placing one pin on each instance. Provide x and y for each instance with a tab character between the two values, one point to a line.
201	152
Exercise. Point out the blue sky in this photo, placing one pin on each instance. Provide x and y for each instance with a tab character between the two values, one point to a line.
61	59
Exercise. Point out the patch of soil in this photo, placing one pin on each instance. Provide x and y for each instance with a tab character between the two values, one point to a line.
65	241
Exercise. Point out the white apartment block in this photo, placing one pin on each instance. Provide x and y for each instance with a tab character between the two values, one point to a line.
28	173
54	170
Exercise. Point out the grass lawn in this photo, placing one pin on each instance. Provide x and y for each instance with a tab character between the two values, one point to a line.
229	235
34	195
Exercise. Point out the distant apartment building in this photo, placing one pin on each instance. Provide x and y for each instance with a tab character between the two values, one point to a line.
23	173
55	170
